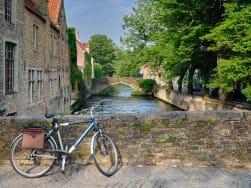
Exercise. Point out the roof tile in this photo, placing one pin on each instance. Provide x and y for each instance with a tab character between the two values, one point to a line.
54	8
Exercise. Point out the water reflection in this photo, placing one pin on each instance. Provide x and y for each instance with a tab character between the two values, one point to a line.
120	101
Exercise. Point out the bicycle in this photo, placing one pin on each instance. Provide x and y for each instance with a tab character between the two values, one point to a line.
35	162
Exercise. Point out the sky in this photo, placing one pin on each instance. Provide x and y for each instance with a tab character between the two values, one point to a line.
91	17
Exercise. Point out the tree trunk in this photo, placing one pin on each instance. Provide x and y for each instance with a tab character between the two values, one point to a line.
180	84
190	79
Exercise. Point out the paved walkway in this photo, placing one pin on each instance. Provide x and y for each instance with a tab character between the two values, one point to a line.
80	175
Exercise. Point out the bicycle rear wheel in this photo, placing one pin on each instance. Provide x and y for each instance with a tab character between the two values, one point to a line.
105	154
32	163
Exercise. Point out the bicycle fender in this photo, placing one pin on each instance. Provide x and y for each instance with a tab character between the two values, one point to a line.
92	142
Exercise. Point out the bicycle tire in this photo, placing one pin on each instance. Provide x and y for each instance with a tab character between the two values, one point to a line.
105	154
26	163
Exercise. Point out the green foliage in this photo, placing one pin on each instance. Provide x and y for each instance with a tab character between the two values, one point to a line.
128	63
147	85
98	71
76	75
102	50
182	36
138	93
232	43
88	69
145	127
72	45
121	134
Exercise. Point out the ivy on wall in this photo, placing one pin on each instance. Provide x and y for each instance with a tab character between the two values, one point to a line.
88	69
76	74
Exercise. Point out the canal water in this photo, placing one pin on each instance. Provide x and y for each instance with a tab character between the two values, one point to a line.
120	101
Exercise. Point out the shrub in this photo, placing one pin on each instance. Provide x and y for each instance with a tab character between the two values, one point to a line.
147	85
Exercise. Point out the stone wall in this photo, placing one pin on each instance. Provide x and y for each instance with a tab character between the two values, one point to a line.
41	71
210	138
100	84
11	33
196	103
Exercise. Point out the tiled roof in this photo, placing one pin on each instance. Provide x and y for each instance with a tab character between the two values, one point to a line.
54	8
83	46
31	6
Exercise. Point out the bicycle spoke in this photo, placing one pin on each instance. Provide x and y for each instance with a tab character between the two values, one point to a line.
32	162
105	155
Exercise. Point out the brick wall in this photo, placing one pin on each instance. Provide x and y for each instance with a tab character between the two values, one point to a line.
210	138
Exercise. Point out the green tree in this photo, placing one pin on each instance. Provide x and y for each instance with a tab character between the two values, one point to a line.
98	71
183	51
147	85
139	28
127	63
167	33
103	52
232	42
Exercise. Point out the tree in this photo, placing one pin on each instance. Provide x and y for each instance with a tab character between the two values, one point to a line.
232	44
103	52
167	33
128	62
184	52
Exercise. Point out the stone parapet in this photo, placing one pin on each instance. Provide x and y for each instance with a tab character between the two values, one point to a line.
210	138
196	103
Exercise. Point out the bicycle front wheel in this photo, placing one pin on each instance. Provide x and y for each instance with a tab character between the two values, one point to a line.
32	163
105	154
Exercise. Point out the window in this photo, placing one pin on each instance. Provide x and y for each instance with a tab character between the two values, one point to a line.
31	79
35	36
8	11
35	88
9	67
53	83
39	85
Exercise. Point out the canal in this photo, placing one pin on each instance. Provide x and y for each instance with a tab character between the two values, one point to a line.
120	101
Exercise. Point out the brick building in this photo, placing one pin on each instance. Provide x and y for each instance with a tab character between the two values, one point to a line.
82	49
36	39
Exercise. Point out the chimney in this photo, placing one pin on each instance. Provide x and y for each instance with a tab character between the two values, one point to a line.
77	35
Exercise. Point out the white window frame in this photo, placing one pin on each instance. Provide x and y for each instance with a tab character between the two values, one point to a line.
31	86
53	81
39	85
35	36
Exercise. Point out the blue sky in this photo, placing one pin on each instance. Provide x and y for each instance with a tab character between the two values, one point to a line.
90	17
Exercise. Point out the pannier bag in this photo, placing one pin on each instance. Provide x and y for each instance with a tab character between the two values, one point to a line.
33	137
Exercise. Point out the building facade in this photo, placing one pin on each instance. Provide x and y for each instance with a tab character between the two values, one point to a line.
41	78
82	49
